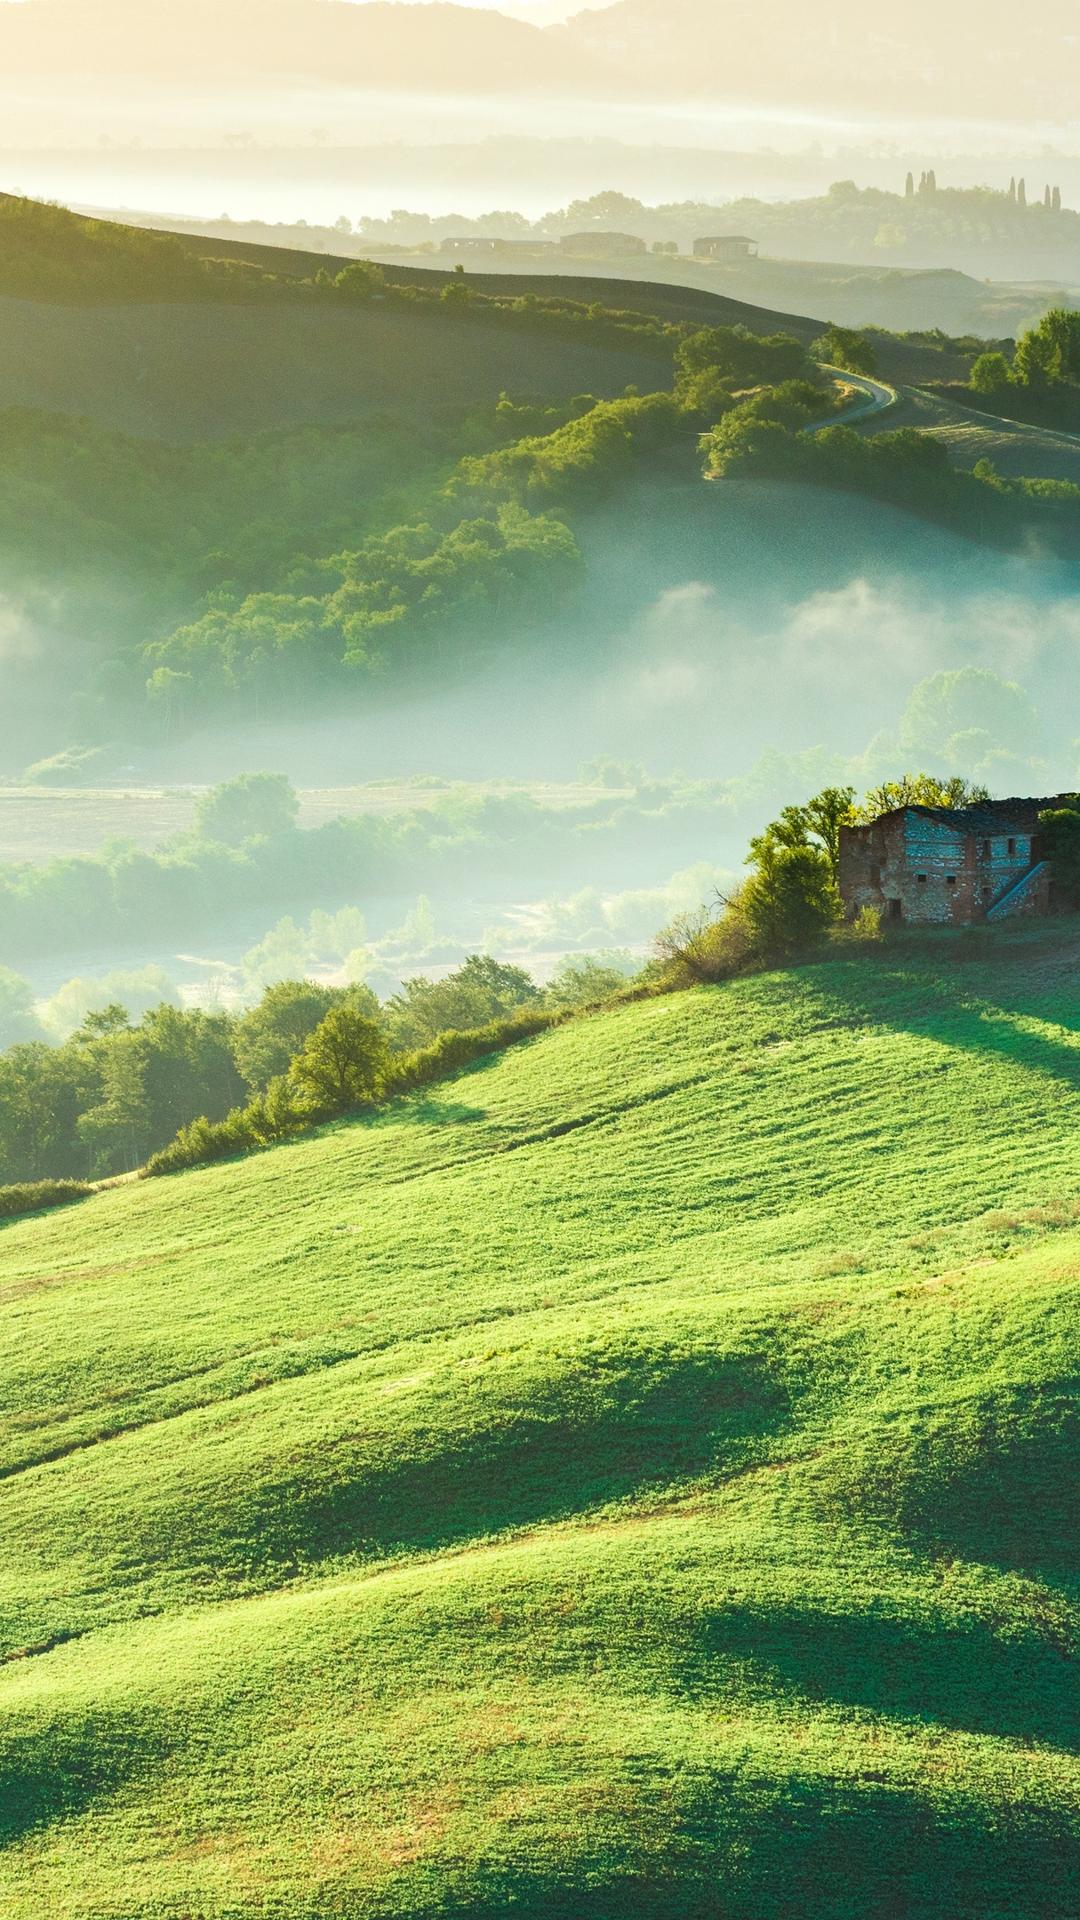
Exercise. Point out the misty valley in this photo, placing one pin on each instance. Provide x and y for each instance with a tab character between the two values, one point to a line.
539	926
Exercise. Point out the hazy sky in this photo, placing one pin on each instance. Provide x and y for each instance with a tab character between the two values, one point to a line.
102	101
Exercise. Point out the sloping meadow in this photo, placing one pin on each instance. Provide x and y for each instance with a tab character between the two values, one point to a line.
638	1476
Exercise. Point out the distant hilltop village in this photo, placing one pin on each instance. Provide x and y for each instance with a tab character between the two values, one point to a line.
988	232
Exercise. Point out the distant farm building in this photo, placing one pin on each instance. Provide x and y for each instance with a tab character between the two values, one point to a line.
948	866
613	246
726	246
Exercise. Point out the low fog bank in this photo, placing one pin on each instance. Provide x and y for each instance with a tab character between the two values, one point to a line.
708	634
311	180
732	650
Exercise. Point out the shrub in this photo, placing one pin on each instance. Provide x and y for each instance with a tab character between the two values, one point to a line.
704	946
454	1050
789	900
844	347
37	1196
991	373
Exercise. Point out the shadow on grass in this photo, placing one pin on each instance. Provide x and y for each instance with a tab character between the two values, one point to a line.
756	1843
579	1442
996	1480
907	1000
923	1669
57	1771
423	1111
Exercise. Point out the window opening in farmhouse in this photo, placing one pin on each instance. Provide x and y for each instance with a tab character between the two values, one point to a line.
950	879
986	850
921	878
1012	849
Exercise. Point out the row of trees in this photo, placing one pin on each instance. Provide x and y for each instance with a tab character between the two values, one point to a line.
364	282
246	860
409	601
1046	356
117	1092
760	438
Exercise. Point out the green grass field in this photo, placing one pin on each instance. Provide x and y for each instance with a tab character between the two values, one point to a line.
205	372
636	1479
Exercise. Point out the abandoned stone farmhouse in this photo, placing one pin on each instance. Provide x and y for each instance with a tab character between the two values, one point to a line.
942	866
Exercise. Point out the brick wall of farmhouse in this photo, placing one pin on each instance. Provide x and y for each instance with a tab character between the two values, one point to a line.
935	877
922	869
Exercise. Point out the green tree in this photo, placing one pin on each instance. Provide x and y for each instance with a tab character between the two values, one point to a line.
18	1019
1050	352
267	1040
117	1131
816	823
343	1064
101	1022
789	899
845	347
1059	828
917	790
586	979
43	1090
990	374
253	806
479	991
738	358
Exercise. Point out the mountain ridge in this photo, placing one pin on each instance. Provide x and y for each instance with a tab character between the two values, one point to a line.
680	49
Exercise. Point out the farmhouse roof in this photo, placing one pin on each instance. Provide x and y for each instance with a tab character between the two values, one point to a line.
982	816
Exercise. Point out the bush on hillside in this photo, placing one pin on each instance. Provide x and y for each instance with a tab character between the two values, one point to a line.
845	347
37	1196
789	900
738	358
284	1112
991	374
701	947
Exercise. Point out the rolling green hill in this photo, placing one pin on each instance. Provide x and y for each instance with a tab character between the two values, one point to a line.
189	370
638	1477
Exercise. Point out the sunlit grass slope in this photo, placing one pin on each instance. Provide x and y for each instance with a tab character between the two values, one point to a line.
638	1479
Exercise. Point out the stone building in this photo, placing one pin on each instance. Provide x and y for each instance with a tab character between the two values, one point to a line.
725	246
948	866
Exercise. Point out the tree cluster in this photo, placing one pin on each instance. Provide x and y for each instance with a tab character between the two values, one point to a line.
117	1093
906	468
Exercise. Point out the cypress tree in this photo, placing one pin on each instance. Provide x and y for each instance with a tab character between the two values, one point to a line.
1056	202
1046	197
1021	193
909	187
1012	188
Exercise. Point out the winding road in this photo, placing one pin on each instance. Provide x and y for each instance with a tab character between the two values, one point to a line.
878	398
